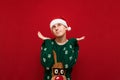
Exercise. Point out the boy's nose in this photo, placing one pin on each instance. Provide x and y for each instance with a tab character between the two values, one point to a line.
56	28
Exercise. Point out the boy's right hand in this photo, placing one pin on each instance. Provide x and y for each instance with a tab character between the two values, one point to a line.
41	36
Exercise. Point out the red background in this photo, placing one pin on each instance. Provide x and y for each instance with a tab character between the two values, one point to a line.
98	20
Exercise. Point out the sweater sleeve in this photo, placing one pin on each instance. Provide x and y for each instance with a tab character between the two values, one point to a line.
71	54
46	54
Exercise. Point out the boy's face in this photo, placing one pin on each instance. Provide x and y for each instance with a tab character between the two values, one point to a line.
59	30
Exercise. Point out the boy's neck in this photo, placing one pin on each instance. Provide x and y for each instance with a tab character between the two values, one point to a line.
61	40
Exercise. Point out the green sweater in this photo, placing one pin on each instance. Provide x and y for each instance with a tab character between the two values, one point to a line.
67	54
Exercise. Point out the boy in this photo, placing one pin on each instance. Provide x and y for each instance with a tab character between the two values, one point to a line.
66	49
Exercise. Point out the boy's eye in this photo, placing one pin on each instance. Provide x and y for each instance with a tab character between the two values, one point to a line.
59	24
53	26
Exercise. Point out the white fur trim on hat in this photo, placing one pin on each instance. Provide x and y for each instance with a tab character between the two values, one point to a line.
69	28
61	21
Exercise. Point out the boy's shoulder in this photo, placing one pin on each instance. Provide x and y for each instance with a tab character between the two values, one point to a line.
48	41
72	39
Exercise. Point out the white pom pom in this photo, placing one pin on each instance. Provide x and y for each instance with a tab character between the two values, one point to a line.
69	28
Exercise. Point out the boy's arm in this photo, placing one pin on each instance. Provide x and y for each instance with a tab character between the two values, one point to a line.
81	38
42	37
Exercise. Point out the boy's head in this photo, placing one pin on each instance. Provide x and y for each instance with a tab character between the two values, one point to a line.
58	27
59	21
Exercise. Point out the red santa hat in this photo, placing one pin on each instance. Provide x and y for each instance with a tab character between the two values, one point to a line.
61	21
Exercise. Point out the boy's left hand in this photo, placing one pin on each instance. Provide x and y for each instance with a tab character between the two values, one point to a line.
81	38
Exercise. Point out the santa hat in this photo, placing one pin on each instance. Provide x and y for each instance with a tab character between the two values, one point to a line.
61	21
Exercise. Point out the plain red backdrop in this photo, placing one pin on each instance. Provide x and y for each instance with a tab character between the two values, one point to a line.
98	20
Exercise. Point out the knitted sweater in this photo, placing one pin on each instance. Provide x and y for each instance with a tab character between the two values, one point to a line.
67	54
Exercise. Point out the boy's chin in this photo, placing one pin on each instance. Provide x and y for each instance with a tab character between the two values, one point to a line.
59	36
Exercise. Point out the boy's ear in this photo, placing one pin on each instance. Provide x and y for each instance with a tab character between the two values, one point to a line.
66	28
